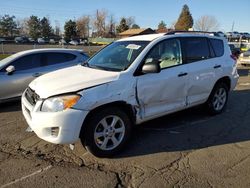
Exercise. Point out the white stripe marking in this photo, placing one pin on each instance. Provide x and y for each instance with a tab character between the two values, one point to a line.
28	176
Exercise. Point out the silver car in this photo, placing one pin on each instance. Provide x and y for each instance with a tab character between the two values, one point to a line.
18	70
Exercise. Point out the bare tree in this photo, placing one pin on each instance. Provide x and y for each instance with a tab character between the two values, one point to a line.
83	26
22	25
130	21
99	22
57	29
110	29
206	23
172	25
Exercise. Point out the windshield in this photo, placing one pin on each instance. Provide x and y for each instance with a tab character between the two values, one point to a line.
118	56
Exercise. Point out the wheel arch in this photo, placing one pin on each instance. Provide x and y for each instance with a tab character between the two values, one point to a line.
226	80
128	108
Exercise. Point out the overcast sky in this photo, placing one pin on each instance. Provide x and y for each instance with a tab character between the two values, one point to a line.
147	13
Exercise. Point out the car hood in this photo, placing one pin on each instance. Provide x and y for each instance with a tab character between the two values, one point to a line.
71	79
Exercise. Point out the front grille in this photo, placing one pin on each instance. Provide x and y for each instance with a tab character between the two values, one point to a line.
31	96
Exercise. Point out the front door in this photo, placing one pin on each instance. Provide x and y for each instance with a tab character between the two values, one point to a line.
27	68
164	92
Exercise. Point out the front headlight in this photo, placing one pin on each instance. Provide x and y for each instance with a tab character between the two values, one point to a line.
59	103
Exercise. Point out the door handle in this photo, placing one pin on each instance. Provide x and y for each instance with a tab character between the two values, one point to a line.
217	66
37	74
182	74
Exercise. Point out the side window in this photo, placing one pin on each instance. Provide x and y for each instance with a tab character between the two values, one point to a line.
196	49
53	58
27	62
218	47
167	53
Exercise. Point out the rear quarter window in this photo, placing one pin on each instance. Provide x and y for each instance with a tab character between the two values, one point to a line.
196	49
218	47
57	58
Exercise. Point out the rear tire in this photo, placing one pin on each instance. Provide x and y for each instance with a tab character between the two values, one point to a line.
106	132
217	100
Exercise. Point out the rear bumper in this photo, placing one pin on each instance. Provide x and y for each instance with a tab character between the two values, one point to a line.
67	123
234	80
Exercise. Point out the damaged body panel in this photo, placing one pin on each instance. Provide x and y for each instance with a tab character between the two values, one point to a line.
122	91
162	93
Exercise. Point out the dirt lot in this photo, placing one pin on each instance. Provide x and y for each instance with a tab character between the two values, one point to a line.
186	149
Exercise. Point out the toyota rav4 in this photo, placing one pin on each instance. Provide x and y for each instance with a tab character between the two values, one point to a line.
128	82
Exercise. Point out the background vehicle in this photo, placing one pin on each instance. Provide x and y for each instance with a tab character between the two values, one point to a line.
244	47
74	42
235	51
21	40
130	81
18	70
31	40
41	41
245	35
84	41
2	40
52	41
221	34
62	41
234	34
245	58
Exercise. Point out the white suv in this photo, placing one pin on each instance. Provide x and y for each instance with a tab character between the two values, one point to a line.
130	81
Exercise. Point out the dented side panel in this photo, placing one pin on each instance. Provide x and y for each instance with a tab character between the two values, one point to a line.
120	90
202	77
163	92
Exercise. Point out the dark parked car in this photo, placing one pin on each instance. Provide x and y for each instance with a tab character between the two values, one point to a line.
235	51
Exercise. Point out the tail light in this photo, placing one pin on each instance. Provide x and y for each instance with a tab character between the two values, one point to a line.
234	58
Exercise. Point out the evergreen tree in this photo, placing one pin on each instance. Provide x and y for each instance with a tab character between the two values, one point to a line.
70	30
8	26
122	26
162	25
34	27
46	29
135	26
185	20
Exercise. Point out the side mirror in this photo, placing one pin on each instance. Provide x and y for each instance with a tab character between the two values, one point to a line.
151	67
10	69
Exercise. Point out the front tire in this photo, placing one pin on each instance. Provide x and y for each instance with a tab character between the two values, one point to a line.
106	132
217	100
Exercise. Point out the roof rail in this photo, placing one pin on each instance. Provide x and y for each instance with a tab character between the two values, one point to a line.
198	32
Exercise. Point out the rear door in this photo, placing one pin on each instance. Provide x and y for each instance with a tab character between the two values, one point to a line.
201	64
52	61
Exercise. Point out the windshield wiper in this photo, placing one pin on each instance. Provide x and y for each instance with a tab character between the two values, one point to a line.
104	68
86	64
